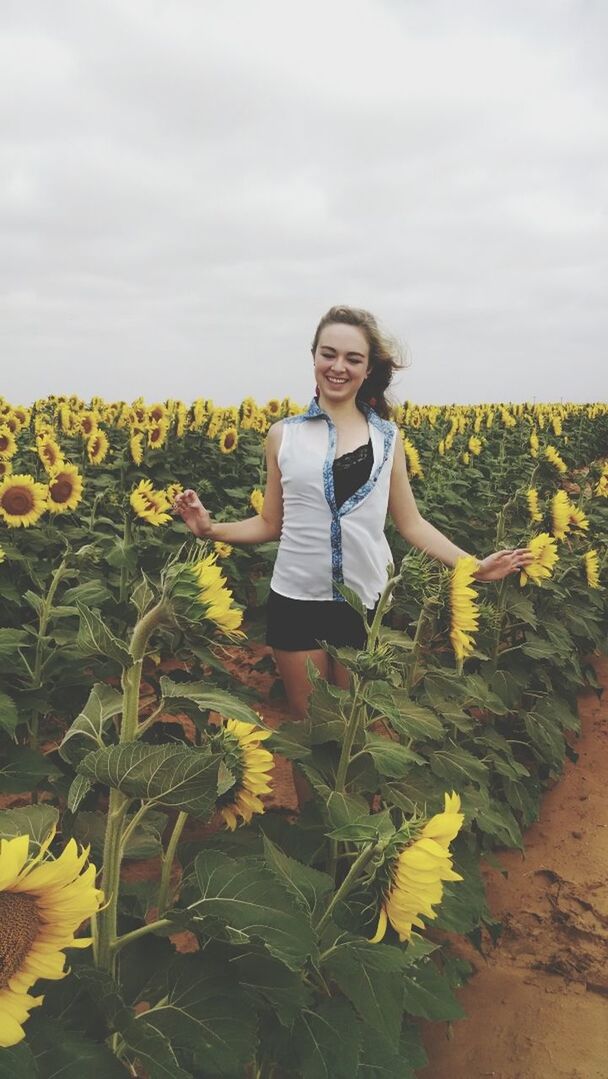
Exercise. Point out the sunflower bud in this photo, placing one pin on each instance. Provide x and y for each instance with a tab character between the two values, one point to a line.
198	592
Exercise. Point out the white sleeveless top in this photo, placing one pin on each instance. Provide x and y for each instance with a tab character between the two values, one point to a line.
321	543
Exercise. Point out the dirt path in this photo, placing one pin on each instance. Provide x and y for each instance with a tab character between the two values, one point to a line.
537	1004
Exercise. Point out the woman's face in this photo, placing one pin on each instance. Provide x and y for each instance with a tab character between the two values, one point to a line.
341	361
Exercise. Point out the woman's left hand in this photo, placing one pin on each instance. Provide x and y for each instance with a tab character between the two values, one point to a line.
501	563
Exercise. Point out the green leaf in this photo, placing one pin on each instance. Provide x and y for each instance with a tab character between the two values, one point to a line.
327	1041
144	842
407	717
380	1061
391	758
284	990
457	766
9	717
370	975
34	820
307	885
23	769
92	593
463	905
94	638
174	775
244	894
209	698
152	1048
498	820
11	640
353	599
18	1062
204	1010
142	595
62	1053
366	828
427	993
79	788
103	704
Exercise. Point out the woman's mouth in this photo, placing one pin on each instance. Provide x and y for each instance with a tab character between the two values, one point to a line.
336	381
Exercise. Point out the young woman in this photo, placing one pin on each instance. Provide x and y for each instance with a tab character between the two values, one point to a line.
332	474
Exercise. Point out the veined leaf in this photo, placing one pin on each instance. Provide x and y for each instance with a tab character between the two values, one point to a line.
35	820
87	730
327	1041
307	885
284	990
23	769
244	894
457	765
94	638
391	758
370	975
9	717
427	993
185	777
209	698
18	1062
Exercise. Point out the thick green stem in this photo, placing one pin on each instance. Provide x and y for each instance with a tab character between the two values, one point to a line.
124	569
349	881
43	619
141	931
165	878
119	802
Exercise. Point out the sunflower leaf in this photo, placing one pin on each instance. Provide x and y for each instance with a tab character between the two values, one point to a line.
328	1041
244	894
208	698
306	884
9	717
94	638
103	704
370	975
391	758
427	993
18	1062
36	820
185	777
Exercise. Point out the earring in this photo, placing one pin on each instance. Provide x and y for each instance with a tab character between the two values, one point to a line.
317	392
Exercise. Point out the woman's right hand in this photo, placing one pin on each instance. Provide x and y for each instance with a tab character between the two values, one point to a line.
192	511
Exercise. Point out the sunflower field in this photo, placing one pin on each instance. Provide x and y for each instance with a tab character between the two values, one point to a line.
318	939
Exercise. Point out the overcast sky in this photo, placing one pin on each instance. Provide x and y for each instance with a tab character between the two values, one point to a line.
186	187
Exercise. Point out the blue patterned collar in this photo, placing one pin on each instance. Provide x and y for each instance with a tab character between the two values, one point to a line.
314	409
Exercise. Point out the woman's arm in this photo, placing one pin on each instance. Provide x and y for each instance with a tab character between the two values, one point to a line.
263	527
414	528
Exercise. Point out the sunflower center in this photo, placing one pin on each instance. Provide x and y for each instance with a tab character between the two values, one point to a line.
18	501
4	443
61	490
19	927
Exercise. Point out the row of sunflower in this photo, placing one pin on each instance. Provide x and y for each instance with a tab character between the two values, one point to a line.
318	942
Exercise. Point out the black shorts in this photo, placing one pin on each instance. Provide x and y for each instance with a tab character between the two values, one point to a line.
300	624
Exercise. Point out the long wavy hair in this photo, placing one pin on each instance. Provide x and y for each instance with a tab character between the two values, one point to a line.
385	355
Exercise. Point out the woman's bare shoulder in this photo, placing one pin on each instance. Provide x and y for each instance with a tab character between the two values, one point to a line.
274	435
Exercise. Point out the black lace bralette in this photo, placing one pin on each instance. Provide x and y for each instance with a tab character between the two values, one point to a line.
353	456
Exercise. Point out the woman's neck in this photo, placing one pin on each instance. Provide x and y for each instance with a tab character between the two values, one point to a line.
341	411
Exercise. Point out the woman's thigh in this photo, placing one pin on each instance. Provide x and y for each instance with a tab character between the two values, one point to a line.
292	669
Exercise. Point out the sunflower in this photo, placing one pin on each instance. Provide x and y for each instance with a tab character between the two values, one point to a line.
250	764
532	496
417	872
465	616
49	452
229	440
560	514
214	596
157	434
592	568
22	500
256	499
157	412
88	423
171	490
5	468
578	519
65	489
475	445
181	422
413	458
43	901
223	550
8	442
136	446
149	504
554	458
544	548
97	447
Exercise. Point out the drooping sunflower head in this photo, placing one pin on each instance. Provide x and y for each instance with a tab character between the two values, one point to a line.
43	902
250	765
592	568
554	458
533	507
65	488
49	452
8	442
544	549
560	514
149	504
5	468
22	500
418	862
464	613
199	592
97	446
578	519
